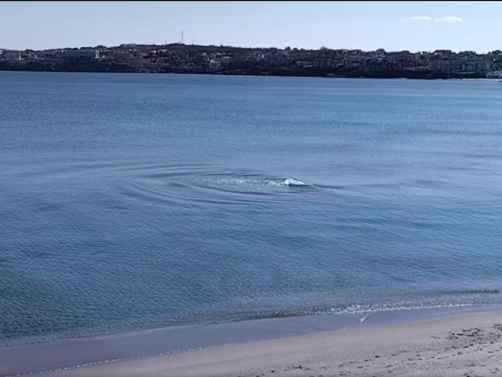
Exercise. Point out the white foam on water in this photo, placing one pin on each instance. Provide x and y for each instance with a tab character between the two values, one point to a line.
247	182
292	182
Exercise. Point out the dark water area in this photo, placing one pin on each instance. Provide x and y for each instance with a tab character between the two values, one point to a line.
132	202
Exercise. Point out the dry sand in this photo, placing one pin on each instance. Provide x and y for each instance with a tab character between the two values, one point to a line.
455	345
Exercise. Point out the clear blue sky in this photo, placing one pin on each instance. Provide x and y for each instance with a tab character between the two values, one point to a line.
414	26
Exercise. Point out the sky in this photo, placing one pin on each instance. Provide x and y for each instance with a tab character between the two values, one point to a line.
394	26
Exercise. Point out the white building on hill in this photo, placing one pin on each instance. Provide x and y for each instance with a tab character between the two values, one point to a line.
494	75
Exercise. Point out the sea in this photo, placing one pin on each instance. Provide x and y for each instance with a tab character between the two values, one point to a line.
135	202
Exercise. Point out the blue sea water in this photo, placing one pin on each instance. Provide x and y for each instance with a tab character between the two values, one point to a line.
133	201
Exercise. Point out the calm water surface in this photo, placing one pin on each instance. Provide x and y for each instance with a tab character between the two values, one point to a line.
138	201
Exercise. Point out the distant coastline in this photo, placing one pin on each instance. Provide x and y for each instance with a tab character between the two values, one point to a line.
224	60
89	68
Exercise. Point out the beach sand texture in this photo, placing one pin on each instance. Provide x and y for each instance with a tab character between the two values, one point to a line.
455	345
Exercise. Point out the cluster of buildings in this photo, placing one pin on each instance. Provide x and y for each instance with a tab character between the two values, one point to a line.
180	57
63	54
441	61
10	55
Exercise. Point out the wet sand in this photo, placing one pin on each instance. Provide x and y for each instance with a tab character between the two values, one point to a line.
468	344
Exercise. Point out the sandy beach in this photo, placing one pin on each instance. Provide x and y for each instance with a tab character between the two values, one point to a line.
455	345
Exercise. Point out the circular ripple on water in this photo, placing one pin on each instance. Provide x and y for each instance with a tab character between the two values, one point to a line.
205	184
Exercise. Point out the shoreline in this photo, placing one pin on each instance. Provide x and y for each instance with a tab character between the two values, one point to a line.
74	354
451	345
253	74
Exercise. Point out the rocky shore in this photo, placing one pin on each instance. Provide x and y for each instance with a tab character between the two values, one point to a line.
123	67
